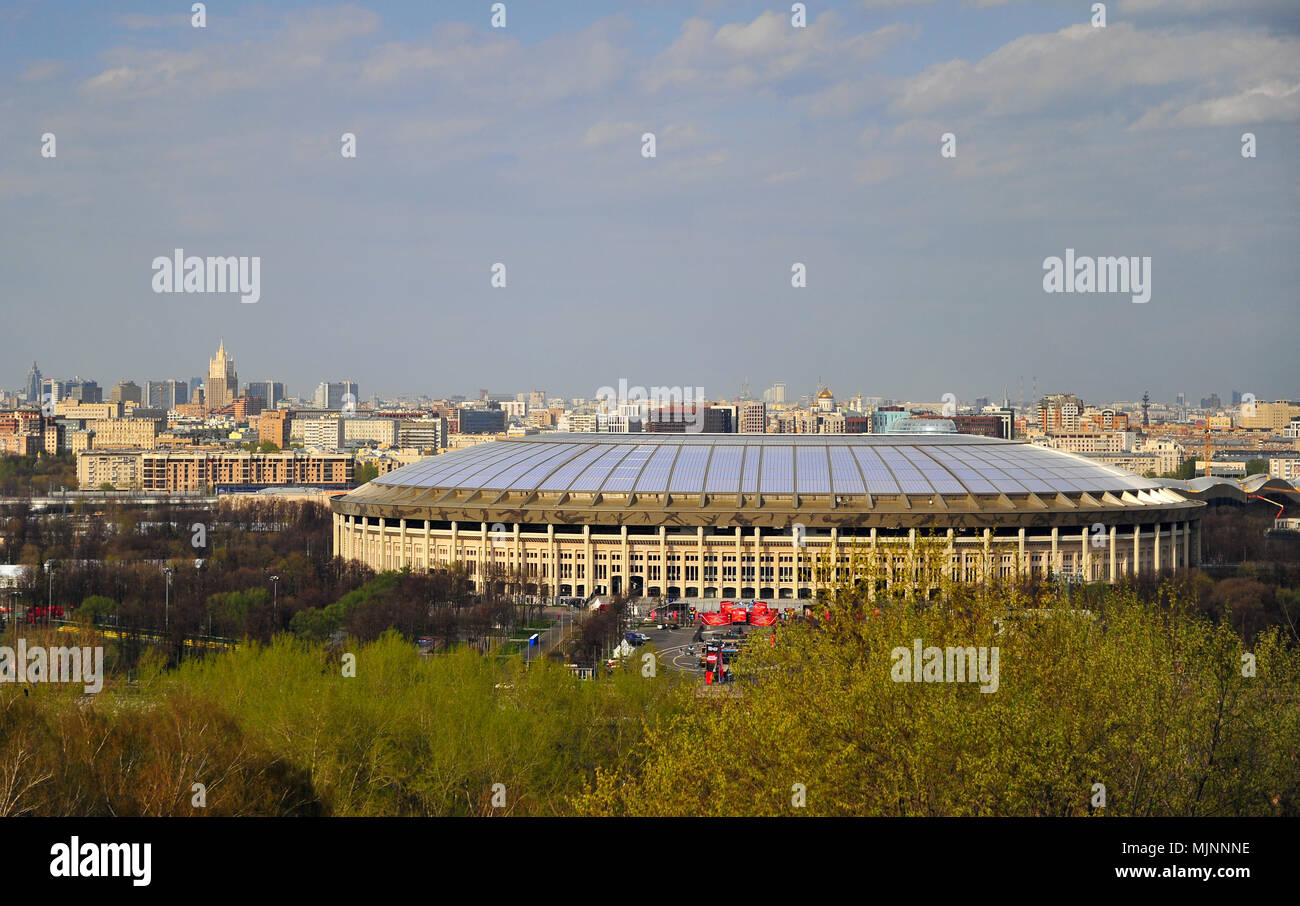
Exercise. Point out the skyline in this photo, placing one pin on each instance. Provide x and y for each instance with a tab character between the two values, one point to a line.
757	389
775	146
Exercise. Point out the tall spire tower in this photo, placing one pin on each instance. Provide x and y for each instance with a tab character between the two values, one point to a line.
222	385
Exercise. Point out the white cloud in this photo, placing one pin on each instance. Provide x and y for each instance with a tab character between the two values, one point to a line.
1081	67
604	132
740	56
488	66
142	73
1271	102
42	70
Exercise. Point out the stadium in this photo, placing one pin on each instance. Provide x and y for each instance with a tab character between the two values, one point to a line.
752	515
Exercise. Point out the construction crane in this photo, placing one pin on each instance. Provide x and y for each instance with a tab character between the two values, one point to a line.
1208	451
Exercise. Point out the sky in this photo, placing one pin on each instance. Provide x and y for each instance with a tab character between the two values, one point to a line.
774	146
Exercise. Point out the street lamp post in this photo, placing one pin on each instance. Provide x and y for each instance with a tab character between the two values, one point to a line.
275	597
49	594
167	604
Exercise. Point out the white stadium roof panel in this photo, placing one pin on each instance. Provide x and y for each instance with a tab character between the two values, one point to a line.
845	465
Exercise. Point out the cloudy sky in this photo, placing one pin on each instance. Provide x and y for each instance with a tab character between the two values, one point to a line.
774	145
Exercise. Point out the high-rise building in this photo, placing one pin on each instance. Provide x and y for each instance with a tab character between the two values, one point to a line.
482	421
125	392
336	394
326	433
273	425
222	385
1059	412
52	390
424	433
719	419
33	388
751	417
166	394
1275	416
75	389
362	431
84	391
269	392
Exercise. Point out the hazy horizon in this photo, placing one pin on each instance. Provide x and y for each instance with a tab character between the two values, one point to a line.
775	145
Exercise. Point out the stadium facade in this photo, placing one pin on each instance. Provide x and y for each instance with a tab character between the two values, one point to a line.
751	516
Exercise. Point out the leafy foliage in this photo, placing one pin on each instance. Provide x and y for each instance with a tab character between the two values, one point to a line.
1149	701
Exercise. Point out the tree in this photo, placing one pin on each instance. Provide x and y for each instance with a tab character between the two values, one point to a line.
94	609
1257	467
1185	471
1151	701
365	473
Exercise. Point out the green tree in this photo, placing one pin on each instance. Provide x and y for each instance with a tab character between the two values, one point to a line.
94	609
1257	467
1150	702
368	472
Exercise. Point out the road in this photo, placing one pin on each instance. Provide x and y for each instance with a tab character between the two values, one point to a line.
672	644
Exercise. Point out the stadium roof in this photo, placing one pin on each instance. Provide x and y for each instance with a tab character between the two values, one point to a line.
1207	487
891	481
767	464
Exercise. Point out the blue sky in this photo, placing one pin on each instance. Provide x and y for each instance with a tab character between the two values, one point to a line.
775	145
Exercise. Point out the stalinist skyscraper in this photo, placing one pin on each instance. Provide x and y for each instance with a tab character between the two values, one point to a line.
222	384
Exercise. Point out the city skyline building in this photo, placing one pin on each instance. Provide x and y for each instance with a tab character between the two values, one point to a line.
222	384
33	388
336	394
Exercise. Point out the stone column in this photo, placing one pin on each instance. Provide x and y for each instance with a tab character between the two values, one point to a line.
589	579
1085	554
1137	550
626	568
663	560
740	566
699	546
483	557
875	567
552	568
